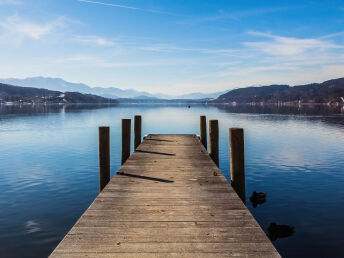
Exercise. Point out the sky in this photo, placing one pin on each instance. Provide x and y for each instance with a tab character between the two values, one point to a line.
173	46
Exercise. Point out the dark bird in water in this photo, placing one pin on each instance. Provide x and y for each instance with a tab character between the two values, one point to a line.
189	106
279	231
257	198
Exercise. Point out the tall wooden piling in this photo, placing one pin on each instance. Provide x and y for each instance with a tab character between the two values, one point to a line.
126	134
214	141
137	131
104	156
237	161
203	130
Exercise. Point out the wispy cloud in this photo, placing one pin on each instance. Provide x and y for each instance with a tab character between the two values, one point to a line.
10	2
119	6
333	35
16	29
285	46
173	49
95	41
233	15
291	60
106	62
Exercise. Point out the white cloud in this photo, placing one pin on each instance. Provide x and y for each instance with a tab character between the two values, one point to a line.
333	35
174	49
169	67
287	46
278	60
95	41
16	29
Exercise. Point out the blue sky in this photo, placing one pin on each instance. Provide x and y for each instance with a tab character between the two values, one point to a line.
173	46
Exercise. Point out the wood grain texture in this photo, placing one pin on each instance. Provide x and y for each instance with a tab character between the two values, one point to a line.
214	141
104	156
203	131
237	161
126	135
137	131
169	199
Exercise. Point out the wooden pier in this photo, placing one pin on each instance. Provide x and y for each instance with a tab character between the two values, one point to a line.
169	198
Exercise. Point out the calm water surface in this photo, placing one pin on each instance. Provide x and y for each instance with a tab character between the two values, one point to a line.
49	169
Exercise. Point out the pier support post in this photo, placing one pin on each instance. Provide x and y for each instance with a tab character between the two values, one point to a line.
214	141
126	134
137	131
237	161
104	156
203	130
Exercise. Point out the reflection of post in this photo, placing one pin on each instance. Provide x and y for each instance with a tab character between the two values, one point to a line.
137	131
214	141
279	231
203	131
237	161
104	156
126	127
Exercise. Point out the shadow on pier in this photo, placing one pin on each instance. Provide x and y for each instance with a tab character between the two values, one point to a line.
157	153
145	177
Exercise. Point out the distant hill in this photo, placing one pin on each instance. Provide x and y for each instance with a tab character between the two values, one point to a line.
327	92
16	94
55	84
201	95
58	84
161	101
143	97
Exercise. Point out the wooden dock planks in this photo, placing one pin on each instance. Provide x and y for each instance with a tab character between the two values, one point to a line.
168	199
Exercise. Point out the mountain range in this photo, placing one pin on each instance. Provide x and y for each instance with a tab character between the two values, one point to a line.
331	91
58	84
29	95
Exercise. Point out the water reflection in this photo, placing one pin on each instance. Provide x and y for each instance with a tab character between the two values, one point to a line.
32	226
257	198
319	110
54	150
279	231
23	110
327	114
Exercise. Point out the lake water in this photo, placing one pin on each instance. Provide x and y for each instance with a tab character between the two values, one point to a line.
49	169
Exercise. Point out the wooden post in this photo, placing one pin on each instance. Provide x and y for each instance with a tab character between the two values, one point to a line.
104	156
214	141
126	130
137	131
203	130
237	161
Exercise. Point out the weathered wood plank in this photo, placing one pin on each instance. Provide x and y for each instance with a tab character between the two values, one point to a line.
137	131
104	156
169	199
90	221
160	247
164	255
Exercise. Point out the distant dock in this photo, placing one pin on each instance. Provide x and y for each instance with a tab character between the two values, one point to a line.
169	198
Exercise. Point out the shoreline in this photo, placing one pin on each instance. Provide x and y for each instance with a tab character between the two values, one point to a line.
291	104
